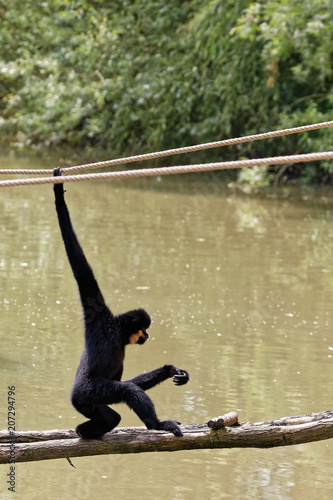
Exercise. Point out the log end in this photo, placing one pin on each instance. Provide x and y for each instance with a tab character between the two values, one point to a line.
224	421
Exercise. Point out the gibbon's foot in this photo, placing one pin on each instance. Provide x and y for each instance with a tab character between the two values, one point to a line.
86	432
170	426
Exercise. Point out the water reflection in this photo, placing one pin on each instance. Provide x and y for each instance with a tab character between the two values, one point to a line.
239	291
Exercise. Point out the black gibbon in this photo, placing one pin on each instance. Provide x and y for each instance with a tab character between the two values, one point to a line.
98	378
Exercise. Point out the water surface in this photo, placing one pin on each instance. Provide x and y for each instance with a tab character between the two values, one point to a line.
239	290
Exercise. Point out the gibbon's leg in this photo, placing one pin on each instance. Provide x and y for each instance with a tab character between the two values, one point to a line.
143	406
102	419
105	392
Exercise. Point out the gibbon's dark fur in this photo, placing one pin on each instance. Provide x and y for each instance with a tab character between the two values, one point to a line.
98	377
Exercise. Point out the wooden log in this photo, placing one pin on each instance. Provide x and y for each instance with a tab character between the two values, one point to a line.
26	446
226	420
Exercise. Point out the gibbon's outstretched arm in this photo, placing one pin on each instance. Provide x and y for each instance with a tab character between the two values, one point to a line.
150	379
88	286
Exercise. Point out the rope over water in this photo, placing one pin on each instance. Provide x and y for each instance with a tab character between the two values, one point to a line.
201	167
170	152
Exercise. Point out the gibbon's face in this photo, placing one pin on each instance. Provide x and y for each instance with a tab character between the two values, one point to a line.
139	337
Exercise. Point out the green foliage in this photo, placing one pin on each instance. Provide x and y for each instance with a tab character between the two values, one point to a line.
296	52
253	179
135	76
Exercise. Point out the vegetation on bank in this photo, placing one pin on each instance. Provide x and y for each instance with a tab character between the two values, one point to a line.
135	76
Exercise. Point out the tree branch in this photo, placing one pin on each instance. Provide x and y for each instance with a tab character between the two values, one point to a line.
26	446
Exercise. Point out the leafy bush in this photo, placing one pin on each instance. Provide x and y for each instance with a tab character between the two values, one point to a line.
136	76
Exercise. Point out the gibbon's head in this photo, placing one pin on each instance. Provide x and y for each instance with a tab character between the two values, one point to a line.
136	323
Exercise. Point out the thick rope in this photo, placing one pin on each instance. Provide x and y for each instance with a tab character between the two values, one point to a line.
277	160
170	152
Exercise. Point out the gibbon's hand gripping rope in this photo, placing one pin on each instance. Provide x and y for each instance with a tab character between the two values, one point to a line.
170	152
276	160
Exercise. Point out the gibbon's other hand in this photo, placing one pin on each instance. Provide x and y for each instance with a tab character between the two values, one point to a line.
58	188
181	377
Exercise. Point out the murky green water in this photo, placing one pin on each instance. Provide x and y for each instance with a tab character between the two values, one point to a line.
240	293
